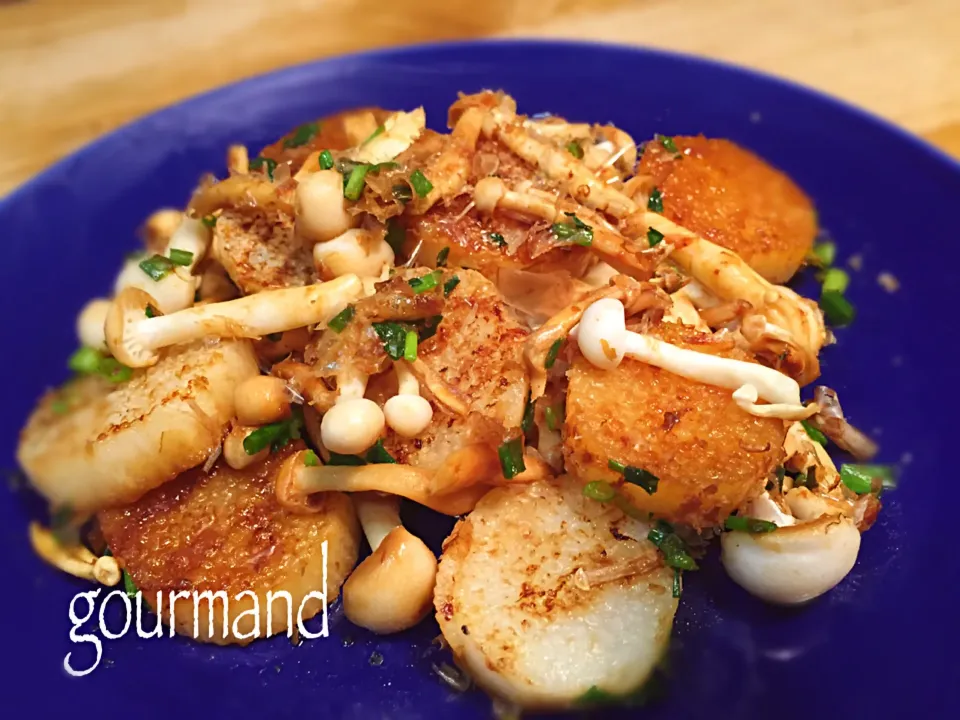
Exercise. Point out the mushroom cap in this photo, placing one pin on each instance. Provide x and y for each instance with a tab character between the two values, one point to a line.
351	426
792	564
408	415
129	308
392	589
602	333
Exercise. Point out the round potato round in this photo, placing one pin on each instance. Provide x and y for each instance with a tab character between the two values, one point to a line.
225	531
709	455
544	595
733	198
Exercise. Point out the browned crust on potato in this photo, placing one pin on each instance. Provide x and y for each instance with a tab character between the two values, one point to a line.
711	456
733	198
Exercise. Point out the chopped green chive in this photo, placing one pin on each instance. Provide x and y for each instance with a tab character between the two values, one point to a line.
835	280
402	193
375	133
310	459
526	425
573	147
635	476
157	267
128	585
824	254
183	258
552	353
748	524
273	435
654	237
340	321
394	337
677	583
668	143
258	163
837	309
355	182
86	360
860	478
209	220
410	346
421	186
395	236
425	283
326	160
511	458
498	240
351	460
550	414
378	455
599	490
577	231
616	466
675	555
449	285
301	136
442	257
814	433
655	203
114	371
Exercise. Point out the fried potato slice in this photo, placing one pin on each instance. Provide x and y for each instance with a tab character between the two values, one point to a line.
225	531
260	251
543	594
710	456
733	198
93	444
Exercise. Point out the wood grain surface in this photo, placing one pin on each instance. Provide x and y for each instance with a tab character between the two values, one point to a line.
73	69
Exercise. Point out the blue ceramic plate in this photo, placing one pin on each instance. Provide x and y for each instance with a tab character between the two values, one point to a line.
880	645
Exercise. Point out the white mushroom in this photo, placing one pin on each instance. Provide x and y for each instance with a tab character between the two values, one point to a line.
90	323
193	237
134	338
491	193
320	208
354	423
392	589
407	412
72	557
604	341
356	251
261	399
793	564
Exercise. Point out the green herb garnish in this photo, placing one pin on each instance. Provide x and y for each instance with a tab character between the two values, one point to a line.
340	321
511	458
599	490
302	135
748	524
183	258
675	554
421	186
577	231
427	327
551	416
655	203
273	435
355	182
351	460
861	477
394	337
498	240
310	459
209	220
157	267
824	254
395	236
552	353
128	586
526	425
837	309
258	163
815	434
654	237
425	283
378	455
375	133
668	143
326	160
835	280
402	193
449	285
410	346
573	147
86	360
442	257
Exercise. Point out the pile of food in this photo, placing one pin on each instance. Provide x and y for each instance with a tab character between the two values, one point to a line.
577	344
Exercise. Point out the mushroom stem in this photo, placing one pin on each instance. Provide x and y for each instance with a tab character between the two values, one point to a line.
378	514
491	193
134	338
73	559
296	480
604	341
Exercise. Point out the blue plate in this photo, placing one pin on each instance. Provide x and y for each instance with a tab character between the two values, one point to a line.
880	645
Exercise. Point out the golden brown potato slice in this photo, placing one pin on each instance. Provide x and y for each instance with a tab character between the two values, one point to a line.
94	444
709	455
543	594
731	197
478	352
260	251
225	531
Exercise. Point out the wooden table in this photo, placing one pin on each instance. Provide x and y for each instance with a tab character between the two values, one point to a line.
73	69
